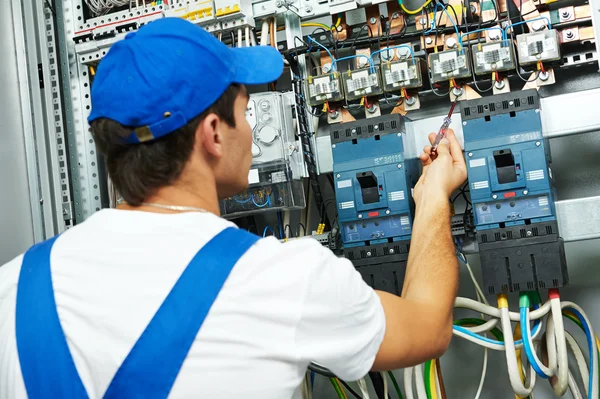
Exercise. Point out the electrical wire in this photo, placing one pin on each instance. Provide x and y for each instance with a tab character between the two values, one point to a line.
559	345
298	230
333	66
535	362
349	388
412	12
420	383
386	393
362	385
578	355
265	231
440	378
396	386
408	382
467	303
518	387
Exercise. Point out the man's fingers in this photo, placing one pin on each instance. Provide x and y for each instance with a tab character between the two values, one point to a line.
431	137
455	149
443	147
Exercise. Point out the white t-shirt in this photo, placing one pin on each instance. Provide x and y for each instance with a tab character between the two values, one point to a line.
282	306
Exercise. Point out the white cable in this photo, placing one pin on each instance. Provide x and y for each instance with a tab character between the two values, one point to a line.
594	354
489	345
252	38
560	345
574	388
408	383
385	385
274	31
579	358
264	33
239	37
511	359
475	282
487	326
483	373
420	382
362	385
527	335
437	381
467	303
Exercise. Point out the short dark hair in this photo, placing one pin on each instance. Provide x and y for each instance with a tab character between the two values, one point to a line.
138	170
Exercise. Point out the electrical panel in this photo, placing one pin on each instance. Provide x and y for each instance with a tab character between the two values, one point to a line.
361	83
402	74
449	64
323	88
493	57
373	188
538	46
277	166
508	164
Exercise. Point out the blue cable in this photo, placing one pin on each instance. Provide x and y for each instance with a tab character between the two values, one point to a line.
536	327
371	66
524	22
279	224
433	22
333	61
527	344
242	201
590	341
262	205
265	231
312	380
454	24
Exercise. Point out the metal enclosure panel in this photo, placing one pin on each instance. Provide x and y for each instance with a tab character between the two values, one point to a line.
15	208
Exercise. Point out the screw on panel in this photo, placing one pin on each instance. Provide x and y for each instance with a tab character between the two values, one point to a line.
464	123
428	40
410	101
537	144
500	85
373	21
333	146
395	15
353	131
326	68
494	196
338	175
399	134
529	233
470	154
334	114
399	166
369	253
360	215
387	212
451	42
308	9
391	251
544	76
372	108
339	28
525	192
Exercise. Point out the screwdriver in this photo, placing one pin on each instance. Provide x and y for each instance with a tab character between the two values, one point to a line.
442	132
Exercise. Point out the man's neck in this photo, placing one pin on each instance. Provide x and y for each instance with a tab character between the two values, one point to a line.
205	198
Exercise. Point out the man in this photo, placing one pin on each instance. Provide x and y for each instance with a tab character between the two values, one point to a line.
168	112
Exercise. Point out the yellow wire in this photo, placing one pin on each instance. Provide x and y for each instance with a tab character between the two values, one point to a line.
341	388
517	336
316	24
338	22
418	10
432	381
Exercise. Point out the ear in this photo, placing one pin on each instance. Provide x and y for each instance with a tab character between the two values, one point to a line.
209	135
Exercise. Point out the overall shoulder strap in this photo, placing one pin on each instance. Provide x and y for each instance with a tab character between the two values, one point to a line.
46	364
151	367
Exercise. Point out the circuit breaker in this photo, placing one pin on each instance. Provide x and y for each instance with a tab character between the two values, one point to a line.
373	188
508	164
277	166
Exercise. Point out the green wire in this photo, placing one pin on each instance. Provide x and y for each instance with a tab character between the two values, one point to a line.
396	386
426	378
338	390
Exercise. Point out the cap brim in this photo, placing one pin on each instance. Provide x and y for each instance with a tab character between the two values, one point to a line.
257	65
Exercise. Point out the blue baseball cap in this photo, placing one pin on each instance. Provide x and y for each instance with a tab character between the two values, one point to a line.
168	72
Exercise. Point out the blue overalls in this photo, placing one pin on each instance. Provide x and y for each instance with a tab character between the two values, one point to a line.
150	368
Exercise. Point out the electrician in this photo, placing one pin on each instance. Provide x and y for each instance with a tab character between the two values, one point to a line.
162	297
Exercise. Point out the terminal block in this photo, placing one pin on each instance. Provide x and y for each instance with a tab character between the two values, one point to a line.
538	46
513	199
322	88
402	74
361	83
491	57
451	64
373	185
275	179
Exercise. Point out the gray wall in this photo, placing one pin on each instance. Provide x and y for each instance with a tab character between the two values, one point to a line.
16	224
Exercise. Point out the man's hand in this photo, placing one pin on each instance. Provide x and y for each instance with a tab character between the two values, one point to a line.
443	171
